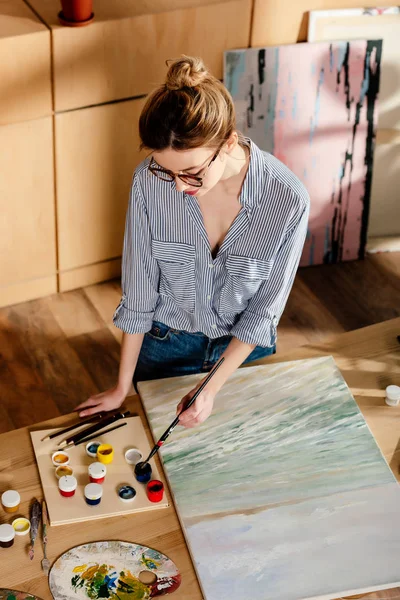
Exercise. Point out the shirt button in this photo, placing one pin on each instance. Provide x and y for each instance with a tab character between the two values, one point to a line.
214	326
208	297
211	266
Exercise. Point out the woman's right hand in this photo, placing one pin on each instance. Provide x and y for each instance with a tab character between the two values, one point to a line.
105	401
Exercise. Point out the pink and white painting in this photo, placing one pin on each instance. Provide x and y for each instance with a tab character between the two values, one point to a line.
314	107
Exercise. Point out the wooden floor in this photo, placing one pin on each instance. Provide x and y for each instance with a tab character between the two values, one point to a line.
57	351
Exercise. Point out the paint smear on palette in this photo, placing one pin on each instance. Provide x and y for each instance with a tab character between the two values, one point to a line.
314	107
113	570
6	594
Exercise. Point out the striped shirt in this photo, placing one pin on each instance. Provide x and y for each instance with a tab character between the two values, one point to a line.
169	274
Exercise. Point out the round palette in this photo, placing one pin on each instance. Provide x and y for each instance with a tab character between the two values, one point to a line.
113	570
6	594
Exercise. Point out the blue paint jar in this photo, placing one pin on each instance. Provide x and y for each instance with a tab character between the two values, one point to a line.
143	472
93	493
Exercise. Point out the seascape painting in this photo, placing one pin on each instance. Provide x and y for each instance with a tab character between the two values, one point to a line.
283	493
314	107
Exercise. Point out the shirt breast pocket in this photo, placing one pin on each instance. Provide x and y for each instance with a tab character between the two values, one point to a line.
244	276
177	272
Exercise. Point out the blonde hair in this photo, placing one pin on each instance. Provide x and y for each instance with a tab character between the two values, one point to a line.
191	109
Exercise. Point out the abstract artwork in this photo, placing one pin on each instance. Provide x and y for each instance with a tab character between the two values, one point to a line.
313	106
282	493
384	24
114	571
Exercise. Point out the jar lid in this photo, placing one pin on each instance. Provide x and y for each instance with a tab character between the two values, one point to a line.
97	470
10	498
67	483
21	526
7	533
93	491
393	392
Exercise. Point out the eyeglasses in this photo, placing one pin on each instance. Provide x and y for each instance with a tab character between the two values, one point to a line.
166	175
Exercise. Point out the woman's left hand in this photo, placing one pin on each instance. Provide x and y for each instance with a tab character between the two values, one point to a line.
199	411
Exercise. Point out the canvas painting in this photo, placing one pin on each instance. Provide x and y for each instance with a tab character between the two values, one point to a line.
314	107
283	493
379	23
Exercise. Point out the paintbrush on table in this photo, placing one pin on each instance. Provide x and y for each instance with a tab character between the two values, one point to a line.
93	429
45	524
175	422
92	437
35	514
96	417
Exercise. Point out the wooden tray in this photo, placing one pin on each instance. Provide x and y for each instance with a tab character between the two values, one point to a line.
73	510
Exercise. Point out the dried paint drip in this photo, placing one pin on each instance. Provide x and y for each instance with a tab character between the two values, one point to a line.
126	493
143	472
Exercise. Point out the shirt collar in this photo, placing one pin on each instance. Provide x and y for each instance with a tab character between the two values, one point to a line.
253	183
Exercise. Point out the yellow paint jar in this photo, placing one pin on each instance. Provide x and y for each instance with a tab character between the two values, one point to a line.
105	454
10	501
21	526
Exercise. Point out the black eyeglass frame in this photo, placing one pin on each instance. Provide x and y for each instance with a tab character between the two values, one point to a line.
194	180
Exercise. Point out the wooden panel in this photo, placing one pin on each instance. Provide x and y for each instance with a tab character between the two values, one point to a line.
27	215
118	57
27	290
384	216
25	82
276	22
70	280
96	154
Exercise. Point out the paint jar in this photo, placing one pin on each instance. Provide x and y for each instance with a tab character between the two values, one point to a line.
392	395
155	490
10	501
67	485
93	493
21	526
143	472
91	448
7	535
63	471
60	458
105	454
97	472
126	493
133	456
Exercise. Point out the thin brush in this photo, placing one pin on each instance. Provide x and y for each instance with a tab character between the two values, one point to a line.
93	429
175	422
95	435
45	524
72	427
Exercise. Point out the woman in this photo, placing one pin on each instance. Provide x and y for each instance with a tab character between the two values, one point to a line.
214	233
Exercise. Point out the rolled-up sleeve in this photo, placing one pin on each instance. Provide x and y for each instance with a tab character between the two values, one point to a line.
140	271
258	322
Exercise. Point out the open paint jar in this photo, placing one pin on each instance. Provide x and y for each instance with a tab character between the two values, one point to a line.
155	490
7	535
126	493
10	501
60	458
93	494
67	485
21	526
91	448
133	456
143	472
105	454
97	472
63	471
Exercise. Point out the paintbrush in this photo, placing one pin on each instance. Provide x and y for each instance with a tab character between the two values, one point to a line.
71	427
95	435
35	515
175	422
45	523
96	427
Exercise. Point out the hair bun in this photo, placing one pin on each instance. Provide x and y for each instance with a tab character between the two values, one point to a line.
185	72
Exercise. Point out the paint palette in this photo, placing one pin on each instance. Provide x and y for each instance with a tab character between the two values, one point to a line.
6	594
113	570
63	510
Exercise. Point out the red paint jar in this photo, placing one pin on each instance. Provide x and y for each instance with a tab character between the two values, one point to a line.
67	485
155	490
97	472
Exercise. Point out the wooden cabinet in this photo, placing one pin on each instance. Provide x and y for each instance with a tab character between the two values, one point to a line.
27	216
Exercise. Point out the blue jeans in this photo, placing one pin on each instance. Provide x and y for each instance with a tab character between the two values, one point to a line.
167	352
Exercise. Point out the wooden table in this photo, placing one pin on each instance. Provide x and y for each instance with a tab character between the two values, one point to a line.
369	360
